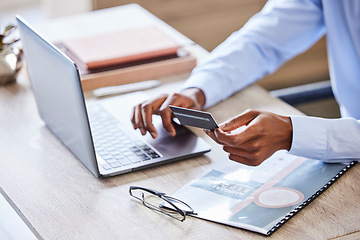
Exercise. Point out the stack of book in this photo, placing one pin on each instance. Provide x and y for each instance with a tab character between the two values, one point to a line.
126	56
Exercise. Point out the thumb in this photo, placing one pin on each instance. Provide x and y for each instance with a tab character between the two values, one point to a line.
243	119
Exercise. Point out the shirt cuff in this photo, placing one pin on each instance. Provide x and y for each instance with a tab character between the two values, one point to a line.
309	137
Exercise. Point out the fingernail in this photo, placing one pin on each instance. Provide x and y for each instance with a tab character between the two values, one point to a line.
222	126
172	133
153	134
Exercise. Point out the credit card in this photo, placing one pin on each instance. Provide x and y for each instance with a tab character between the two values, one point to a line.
194	118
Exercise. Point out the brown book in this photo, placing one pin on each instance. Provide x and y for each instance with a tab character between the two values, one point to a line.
121	47
136	73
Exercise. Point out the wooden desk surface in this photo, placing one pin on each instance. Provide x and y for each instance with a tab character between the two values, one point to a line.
63	200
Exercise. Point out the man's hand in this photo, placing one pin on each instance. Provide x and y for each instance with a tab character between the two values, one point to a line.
142	114
253	136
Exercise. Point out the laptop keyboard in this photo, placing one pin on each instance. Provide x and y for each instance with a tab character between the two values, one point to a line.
113	144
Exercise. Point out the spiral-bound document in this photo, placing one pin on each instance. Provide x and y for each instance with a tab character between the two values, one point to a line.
262	198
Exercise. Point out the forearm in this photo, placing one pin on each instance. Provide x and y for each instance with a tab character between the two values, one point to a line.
280	31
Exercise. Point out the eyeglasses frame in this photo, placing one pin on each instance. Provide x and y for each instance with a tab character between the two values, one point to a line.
167	199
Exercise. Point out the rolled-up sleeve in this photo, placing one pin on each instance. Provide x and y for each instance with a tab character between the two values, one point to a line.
329	140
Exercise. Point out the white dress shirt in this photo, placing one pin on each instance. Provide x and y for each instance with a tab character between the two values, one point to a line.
282	30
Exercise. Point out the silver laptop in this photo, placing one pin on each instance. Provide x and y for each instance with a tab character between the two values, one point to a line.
98	133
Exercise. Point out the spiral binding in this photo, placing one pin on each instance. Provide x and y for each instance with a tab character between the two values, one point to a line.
310	199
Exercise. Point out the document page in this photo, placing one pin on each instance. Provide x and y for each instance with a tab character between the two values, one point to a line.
259	198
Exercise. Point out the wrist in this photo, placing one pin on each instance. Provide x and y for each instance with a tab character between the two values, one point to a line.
196	94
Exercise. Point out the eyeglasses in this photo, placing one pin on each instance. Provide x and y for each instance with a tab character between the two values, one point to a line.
162	203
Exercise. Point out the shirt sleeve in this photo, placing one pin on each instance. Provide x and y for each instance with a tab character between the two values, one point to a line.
281	30
329	140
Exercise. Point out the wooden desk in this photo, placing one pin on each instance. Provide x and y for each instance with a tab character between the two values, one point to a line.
63	200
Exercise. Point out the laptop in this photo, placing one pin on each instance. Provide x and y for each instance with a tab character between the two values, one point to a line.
99	133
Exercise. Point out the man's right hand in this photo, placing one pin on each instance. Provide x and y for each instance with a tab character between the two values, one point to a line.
193	98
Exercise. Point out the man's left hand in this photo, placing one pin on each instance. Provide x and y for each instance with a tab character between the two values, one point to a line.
253	136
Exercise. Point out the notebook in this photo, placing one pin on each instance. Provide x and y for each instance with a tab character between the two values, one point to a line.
98	133
121	47
262	198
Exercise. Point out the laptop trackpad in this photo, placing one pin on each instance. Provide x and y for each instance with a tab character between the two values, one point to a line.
184	142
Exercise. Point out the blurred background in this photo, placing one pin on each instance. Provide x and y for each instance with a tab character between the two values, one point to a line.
208	23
